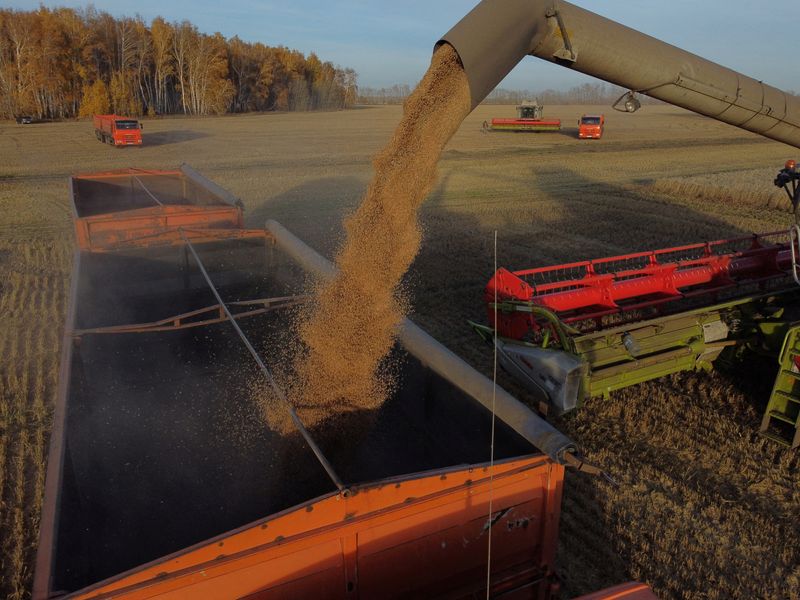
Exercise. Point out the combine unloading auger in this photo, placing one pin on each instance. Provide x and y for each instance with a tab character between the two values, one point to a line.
498	34
580	330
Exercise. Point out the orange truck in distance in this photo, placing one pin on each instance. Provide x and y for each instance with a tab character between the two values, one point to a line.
591	127
117	130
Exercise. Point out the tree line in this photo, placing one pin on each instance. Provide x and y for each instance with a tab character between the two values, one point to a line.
63	62
587	93
395	94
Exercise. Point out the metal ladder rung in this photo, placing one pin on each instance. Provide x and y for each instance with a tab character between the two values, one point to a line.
775	414
776	438
794	243
792	374
787	396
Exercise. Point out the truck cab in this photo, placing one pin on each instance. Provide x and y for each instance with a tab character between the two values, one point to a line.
117	130
591	127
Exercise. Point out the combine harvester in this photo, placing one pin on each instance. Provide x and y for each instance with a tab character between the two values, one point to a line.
164	481
530	118
575	331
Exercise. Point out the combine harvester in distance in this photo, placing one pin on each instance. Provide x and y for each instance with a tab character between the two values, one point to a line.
530	118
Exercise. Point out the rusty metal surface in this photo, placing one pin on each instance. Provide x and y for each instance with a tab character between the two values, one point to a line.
158	226
626	591
191	319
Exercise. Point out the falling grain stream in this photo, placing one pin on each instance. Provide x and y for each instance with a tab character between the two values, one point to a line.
352	324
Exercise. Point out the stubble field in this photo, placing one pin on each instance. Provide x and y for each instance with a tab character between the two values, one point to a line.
704	507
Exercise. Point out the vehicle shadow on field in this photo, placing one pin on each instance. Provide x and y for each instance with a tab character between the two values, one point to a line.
566	214
570	132
565	218
164	138
313	211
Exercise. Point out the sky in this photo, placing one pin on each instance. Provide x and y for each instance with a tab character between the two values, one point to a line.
390	42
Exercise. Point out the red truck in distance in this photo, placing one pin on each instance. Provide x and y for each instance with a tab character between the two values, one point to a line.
117	130
591	127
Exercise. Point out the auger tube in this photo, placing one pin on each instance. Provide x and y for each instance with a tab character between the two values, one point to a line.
445	363
498	34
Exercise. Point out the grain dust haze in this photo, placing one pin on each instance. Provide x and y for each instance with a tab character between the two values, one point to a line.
354	319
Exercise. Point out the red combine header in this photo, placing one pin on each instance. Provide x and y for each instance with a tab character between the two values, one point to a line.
529	119
589	290
580	330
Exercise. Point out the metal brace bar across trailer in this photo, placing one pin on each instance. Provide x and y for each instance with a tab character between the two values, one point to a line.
177	322
149	193
267	374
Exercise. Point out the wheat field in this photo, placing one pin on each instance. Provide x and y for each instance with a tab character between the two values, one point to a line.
704	507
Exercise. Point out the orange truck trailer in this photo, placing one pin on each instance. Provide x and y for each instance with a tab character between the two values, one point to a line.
591	127
117	130
164	483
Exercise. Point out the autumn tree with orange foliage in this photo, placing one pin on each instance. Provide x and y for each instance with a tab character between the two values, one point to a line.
95	100
61	63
